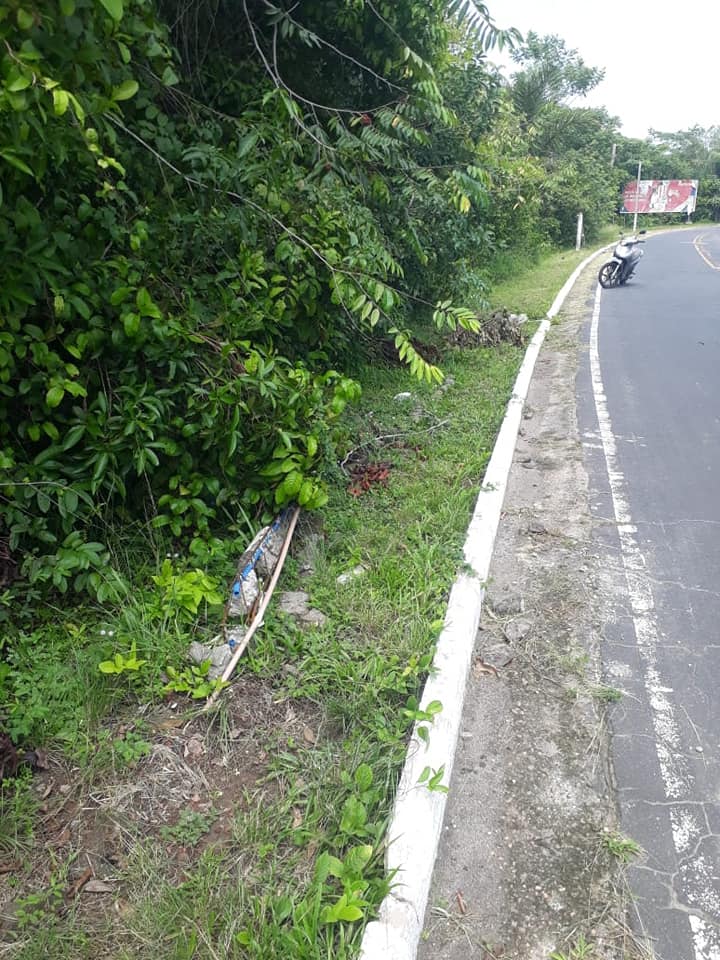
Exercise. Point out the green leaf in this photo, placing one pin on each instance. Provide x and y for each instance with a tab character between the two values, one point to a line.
131	323
67	7
350	913
100	466
305	493
354	816
15	161
146	305
77	107
61	101
169	77
73	436
119	295
18	101
126	90
17	81
364	777
25	20
114	8
54	396
334	866
71	501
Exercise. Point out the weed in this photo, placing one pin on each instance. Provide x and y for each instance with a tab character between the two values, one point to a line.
575	662
191	827
130	748
193	680
183	592
607	694
40	908
17	811
620	847
123	663
580	950
432	779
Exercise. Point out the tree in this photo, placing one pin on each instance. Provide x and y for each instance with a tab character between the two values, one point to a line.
550	74
206	210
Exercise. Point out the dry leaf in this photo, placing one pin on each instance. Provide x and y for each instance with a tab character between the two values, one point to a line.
170	723
297	818
97	886
480	668
309	735
123	908
462	906
76	887
194	748
60	840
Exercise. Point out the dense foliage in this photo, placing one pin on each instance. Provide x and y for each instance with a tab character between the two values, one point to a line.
185	262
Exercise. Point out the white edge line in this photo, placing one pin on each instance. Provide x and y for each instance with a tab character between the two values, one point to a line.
416	824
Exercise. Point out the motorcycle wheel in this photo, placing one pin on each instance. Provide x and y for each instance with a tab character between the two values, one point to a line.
607	277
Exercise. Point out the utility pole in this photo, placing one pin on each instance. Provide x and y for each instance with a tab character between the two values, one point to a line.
637	196
613	155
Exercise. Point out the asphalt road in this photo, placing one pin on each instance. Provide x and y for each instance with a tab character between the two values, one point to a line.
649	406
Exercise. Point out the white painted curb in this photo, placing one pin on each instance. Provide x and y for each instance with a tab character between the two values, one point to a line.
414	831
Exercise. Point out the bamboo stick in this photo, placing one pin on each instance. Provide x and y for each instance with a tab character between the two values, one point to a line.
257	622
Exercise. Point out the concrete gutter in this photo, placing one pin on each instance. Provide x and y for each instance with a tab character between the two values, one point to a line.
414	831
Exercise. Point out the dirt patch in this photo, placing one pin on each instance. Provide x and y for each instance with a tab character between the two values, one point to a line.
524	869
196	775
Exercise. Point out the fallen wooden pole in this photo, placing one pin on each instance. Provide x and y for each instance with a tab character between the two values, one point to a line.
257	622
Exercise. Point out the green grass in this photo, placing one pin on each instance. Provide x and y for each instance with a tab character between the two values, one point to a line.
622	848
533	290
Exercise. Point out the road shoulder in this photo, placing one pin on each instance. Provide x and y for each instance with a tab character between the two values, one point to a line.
525	866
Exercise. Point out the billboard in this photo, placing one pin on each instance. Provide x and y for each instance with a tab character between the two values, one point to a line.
660	196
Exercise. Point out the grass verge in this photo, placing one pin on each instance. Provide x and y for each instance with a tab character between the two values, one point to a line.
257	832
533	290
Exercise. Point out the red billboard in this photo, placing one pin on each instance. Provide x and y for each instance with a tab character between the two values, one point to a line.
660	196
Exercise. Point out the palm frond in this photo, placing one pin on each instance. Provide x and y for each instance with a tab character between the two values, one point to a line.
475	17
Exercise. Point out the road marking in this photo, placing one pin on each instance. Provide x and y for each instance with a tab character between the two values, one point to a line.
677	778
698	244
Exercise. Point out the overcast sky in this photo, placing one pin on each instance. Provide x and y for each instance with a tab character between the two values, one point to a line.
661	60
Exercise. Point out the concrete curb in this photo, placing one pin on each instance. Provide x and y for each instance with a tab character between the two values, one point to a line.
414	831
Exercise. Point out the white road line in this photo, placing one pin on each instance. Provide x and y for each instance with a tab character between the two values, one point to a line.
676	777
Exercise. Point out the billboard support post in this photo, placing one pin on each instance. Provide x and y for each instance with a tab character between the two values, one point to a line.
637	196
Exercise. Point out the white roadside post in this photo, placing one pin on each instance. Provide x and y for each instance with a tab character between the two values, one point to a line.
637	196
579	237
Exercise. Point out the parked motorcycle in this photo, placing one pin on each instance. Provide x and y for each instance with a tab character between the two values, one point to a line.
625	258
